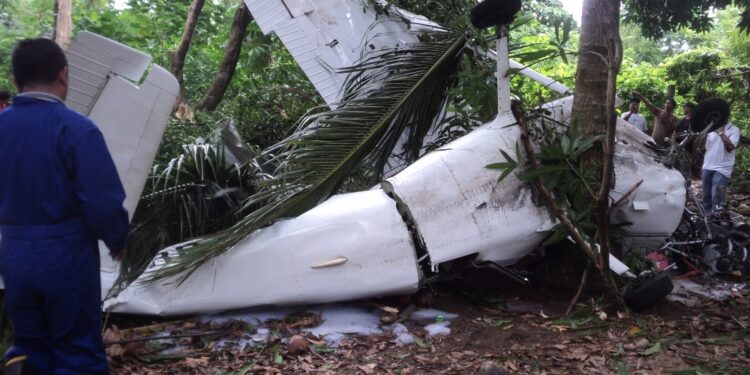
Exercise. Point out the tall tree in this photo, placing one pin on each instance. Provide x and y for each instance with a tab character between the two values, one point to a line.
215	93
599	35
63	26
178	55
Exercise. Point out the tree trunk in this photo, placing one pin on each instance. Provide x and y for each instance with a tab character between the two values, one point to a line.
215	93
178	56
599	21
63	25
600	55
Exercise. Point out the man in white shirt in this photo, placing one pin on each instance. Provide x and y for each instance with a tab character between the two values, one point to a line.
633	117
718	164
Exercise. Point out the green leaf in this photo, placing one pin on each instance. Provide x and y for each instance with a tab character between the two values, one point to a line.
505	173
542	171
533	56
420	343
507	167
622	369
565	144
653	349
507	157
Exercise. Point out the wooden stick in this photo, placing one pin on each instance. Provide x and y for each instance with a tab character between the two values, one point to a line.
626	195
584	279
546	195
154	338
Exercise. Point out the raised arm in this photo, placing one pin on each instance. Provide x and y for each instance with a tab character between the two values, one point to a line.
656	111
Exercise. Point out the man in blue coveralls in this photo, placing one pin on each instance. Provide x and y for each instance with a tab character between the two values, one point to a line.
59	194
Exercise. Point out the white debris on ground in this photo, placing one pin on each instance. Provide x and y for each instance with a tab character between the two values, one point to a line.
431	314
689	292
252	316
441	319
438	329
402	333
338	321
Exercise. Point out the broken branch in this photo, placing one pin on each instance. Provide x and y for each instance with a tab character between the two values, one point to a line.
154	338
626	195
584	278
546	195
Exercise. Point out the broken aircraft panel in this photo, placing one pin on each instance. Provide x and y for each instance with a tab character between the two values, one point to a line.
445	206
357	245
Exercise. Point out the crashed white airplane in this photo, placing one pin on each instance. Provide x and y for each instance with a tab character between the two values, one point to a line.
384	241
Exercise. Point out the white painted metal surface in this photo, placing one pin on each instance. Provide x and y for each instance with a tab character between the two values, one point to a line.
656	207
540	78
326	35
459	206
91	60
503	65
351	246
103	85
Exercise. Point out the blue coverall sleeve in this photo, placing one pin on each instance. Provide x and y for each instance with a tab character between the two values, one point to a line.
99	190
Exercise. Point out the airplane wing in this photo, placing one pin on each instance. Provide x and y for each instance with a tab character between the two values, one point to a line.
326	35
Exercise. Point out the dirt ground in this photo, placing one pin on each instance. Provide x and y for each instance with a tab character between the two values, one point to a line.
522	331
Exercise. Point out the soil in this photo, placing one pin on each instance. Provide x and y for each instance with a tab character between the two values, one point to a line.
522	331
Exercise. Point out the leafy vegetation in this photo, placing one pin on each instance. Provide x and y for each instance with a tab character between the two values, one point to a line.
197	193
564	171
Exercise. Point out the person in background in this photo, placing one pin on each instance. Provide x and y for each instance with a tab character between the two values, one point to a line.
5	97
59	194
690	162
633	117
687	114
665	121
718	163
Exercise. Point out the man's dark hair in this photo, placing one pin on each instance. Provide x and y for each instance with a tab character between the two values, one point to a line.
689	105
37	61
635	100
5	96
674	103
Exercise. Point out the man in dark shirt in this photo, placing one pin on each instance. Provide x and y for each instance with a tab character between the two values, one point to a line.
59	194
687	113
693	157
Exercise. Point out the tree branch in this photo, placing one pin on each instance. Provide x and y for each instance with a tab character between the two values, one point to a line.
178	56
626	195
614	52
584	279
546	195
215	93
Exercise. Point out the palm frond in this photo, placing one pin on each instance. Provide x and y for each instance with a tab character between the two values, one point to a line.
194	194
386	93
